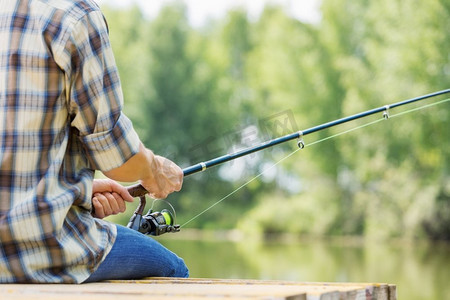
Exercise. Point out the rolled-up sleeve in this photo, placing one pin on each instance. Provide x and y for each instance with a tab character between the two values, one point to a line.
110	149
95	96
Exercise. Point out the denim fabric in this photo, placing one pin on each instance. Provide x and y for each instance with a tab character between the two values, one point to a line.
135	255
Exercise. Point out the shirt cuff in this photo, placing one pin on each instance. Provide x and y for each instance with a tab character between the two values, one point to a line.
111	149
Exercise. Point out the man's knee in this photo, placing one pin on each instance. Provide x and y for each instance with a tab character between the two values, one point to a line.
180	270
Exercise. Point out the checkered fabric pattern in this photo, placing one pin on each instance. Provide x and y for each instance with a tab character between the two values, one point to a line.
60	119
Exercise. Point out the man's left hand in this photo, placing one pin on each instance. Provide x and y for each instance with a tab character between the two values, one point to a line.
108	198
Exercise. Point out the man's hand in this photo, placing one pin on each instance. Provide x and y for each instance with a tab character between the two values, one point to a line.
158	175
166	178
108	198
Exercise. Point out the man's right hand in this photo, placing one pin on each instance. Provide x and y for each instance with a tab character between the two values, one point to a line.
158	175
166	178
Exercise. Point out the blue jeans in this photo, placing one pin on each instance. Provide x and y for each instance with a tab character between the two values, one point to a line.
135	256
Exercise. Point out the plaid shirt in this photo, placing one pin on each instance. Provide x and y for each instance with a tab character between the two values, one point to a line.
60	119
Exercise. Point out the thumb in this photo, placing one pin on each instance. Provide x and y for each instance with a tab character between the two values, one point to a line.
122	191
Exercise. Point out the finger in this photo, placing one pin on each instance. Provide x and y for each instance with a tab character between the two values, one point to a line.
125	195
120	203
108	185
104	203
180	182
180	176
122	191
101	185
159	195
112	203
98	208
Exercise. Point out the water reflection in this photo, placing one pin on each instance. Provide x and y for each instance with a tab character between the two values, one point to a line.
421	271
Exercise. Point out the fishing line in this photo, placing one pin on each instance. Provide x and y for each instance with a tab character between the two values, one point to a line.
377	121
236	190
167	202
385	117
420	107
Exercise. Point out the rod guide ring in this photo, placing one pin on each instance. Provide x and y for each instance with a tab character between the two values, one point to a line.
386	112
300	141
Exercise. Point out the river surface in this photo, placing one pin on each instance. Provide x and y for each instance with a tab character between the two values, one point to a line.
420	270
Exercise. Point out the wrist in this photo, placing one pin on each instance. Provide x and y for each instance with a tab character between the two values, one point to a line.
151	168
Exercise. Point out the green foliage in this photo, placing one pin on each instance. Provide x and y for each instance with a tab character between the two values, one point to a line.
193	94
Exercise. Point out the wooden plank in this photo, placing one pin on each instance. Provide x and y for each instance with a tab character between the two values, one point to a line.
392	292
160	291
313	290
197	288
349	290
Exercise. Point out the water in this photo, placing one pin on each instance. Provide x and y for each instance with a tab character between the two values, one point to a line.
420	270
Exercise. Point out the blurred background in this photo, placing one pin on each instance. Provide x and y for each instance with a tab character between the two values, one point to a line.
206	78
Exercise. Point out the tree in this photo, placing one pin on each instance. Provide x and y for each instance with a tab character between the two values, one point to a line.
194	94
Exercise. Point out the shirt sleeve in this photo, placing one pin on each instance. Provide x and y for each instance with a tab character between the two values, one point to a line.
95	96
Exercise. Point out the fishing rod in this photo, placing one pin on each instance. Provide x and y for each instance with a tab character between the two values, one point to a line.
157	223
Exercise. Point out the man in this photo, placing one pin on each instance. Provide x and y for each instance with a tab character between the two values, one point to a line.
60	120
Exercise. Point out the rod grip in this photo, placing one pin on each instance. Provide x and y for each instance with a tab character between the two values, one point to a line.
137	190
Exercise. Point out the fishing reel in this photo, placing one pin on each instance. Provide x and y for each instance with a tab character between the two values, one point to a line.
154	222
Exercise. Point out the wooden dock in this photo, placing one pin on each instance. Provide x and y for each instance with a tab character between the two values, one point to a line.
192	288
